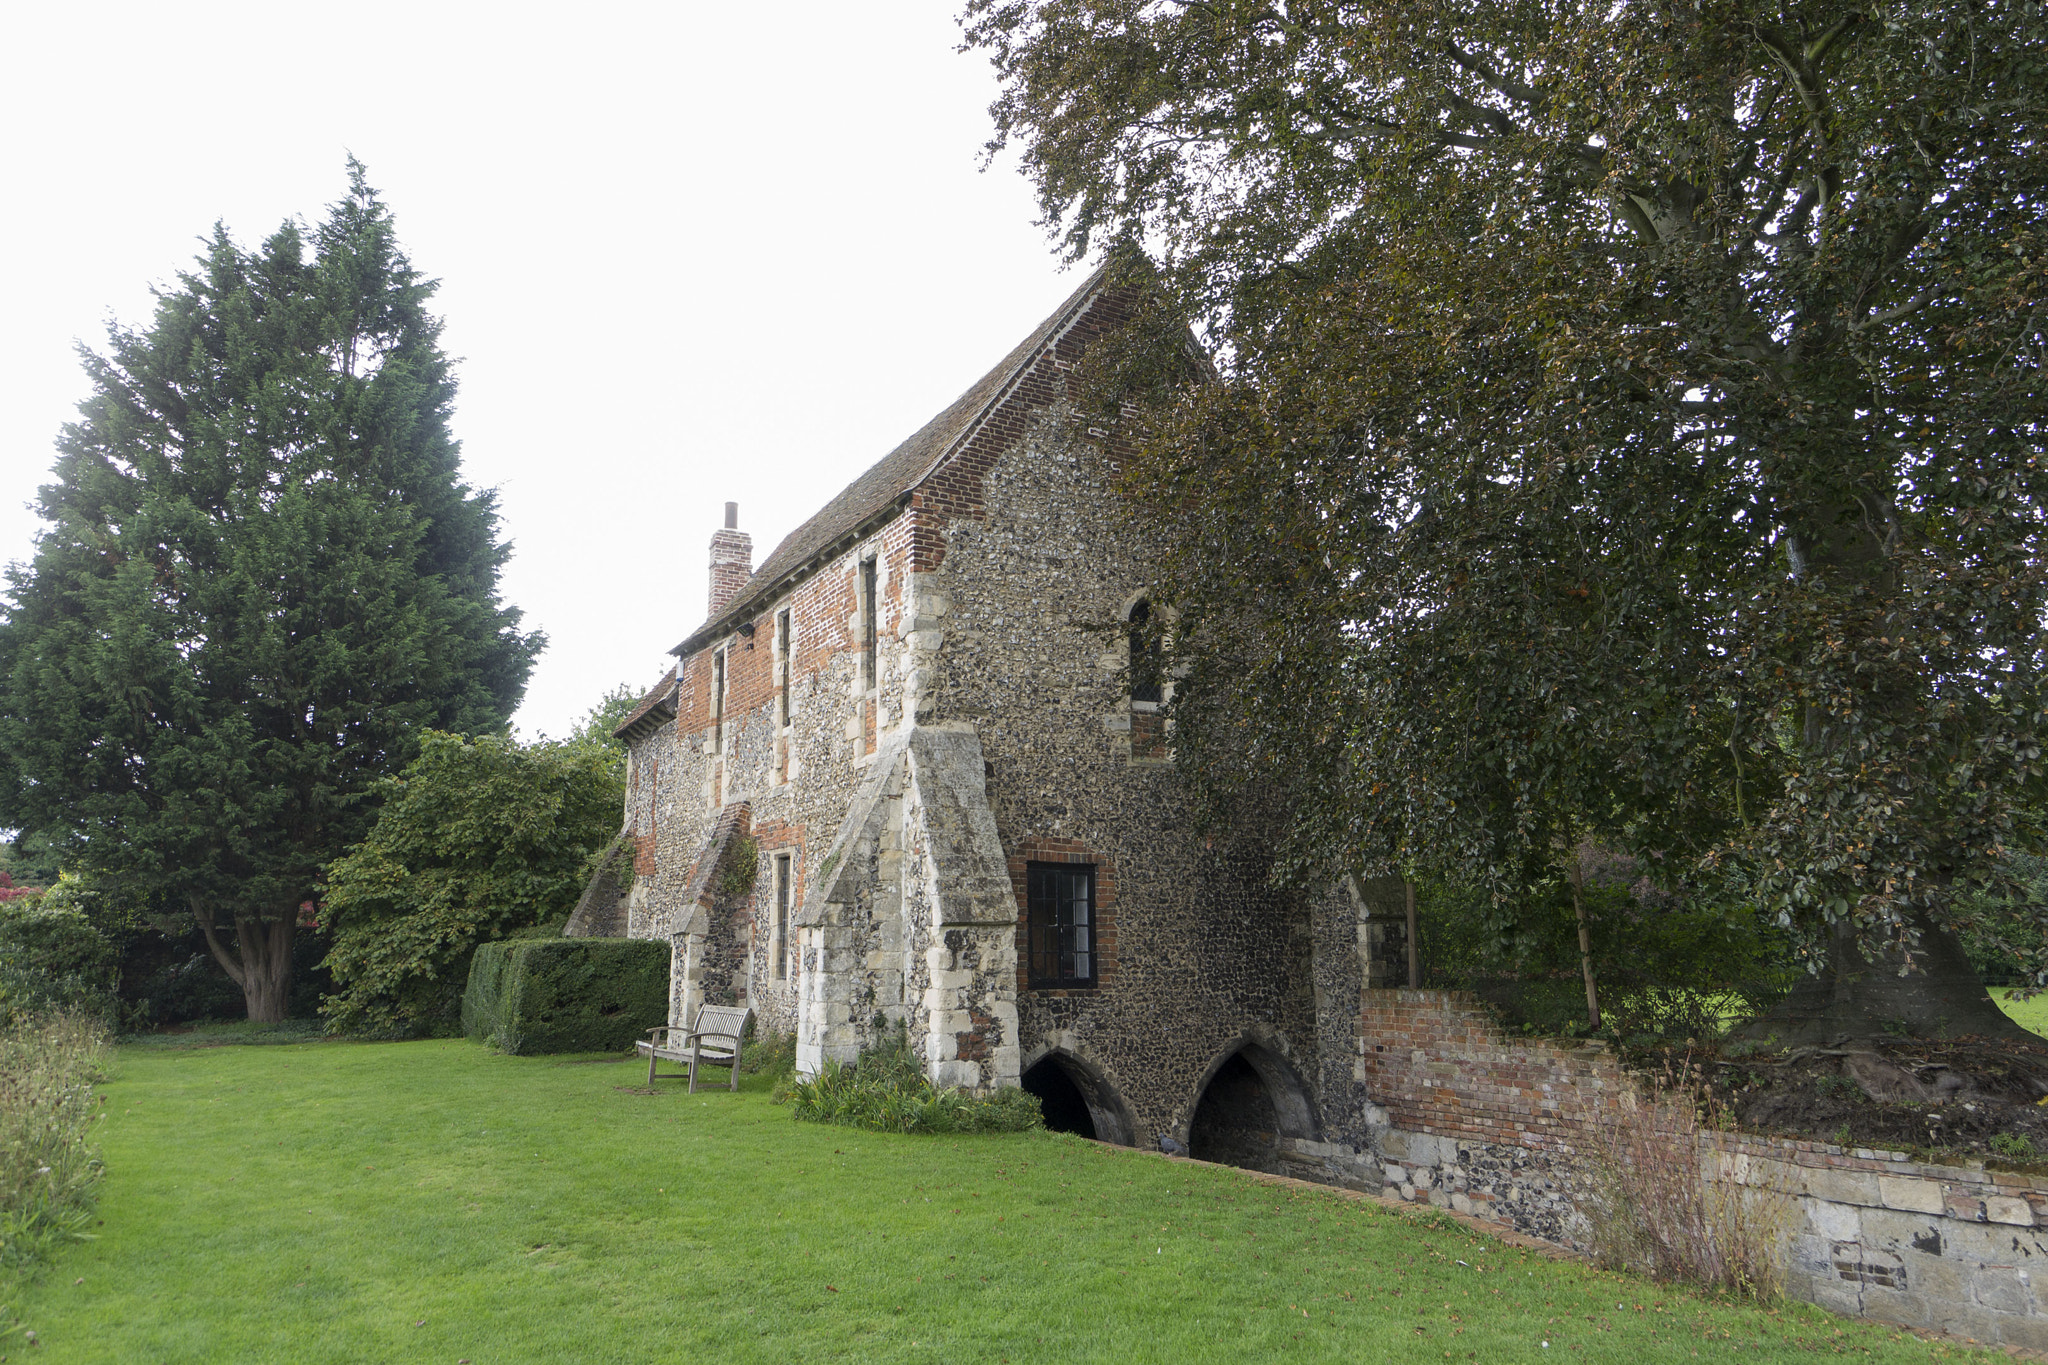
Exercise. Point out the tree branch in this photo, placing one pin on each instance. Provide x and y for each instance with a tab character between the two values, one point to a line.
1906	309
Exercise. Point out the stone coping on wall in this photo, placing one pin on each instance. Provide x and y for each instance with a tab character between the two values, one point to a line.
1878	1179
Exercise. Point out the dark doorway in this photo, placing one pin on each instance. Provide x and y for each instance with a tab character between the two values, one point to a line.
1235	1122
1066	1108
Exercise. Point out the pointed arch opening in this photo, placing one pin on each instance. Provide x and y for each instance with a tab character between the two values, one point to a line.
1252	1100
1076	1098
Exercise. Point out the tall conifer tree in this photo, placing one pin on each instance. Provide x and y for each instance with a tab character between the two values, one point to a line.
262	578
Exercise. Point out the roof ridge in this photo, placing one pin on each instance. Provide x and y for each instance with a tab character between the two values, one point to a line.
876	489
1054	327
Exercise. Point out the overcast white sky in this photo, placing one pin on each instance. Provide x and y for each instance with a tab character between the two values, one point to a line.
688	252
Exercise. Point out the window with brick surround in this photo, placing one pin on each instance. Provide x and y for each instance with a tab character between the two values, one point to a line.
868	679
1060	900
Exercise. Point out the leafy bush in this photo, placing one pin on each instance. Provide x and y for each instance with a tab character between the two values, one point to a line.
2015	1145
772	1055
1667	967
2001	930
51	958
886	1091
48	1169
477	838
566	994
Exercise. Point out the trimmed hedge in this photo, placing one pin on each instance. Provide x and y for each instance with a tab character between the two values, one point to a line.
566	994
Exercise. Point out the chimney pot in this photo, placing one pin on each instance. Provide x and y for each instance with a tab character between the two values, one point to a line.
732	516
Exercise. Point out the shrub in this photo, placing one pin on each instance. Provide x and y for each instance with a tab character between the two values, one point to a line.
48	1169
566	994
2015	1145
772	1055
52	959
478	838
1655	1212
886	1091
1668	967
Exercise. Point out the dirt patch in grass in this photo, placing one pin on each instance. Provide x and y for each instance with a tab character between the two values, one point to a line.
1962	1099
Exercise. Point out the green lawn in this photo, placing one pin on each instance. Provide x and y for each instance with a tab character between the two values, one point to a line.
435	1202
2031	1014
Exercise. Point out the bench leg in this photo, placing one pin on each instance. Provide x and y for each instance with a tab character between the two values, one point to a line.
695	1048
652	1058
735	1064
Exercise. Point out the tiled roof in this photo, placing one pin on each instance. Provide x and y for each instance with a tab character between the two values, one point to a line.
657	706
891	478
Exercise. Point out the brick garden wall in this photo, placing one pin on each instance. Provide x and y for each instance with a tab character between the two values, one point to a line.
1502	1128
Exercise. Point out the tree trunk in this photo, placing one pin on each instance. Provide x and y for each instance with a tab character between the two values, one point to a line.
1934	992
1414	940
1940	996
261	960
1577	873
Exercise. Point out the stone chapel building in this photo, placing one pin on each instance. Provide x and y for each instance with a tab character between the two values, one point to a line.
963	809
908	773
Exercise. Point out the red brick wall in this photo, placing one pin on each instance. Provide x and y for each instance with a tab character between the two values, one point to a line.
1038	850
1439	1064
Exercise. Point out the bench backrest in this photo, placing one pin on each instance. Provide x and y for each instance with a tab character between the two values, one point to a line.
722	1019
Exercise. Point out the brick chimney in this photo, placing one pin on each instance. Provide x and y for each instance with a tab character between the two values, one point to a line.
732	560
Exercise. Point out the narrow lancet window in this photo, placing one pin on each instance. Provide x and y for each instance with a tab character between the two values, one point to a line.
1146	674
868	676
782	666
780	931
718	702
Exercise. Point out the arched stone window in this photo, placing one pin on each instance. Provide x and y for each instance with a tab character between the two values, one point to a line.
1148	677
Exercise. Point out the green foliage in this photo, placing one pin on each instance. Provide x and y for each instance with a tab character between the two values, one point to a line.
262	578
886	1091
52	959
2015	1145
741	868
476	839
2007	927
1616	432
600	720
772	1055
1669	968
48	1165
532	996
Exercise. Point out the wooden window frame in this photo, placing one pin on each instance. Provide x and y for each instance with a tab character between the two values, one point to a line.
1054	944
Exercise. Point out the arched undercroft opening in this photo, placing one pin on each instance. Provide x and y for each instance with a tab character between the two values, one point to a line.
1077	1099
1252	1101
1066	1108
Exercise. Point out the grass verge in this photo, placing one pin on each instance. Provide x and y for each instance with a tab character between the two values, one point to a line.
2028	1014
433	1201
48	1168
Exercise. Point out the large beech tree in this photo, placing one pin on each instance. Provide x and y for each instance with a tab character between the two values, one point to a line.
261	580
1626	425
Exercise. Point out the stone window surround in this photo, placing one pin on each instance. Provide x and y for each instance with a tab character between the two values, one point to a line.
1146	723
1053	849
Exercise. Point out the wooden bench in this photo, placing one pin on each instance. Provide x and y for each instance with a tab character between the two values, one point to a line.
714	1038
